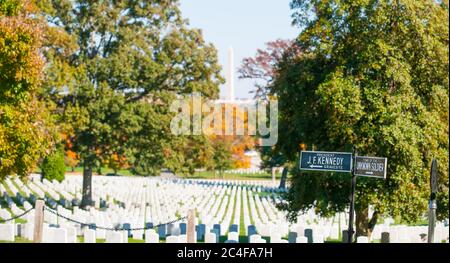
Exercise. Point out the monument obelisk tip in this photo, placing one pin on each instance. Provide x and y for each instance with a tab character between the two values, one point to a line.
230	75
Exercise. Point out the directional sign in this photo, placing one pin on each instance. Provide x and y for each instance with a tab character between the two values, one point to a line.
326	161
371	166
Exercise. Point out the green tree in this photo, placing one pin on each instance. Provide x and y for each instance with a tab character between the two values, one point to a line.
53	166
26	130
373	75
222	158
119	54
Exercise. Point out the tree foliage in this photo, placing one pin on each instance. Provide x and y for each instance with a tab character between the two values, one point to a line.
53	166
114	71
26	130
372	75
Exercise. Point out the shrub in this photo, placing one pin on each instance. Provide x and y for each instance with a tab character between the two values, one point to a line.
53	166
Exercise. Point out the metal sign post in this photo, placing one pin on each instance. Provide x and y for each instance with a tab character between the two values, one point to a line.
432	206
352	205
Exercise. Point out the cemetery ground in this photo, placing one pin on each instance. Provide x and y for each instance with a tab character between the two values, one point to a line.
229	175
243	211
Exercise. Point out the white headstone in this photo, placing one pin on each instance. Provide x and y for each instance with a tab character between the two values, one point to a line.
233	236
254	238
138	234
151	236
59	235
7	232
302	239
89	236
71	234
114	237
172	239
124	236
362	239
210	238
182	239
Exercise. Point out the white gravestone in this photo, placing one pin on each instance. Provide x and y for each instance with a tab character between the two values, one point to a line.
151	236
172	239
301	239
362	239
7	232
114	237
89	236
210	238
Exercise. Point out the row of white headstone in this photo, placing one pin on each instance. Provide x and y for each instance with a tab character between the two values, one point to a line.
219	204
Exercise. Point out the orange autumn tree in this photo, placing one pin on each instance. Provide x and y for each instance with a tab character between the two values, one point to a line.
70	156
117	162
238	144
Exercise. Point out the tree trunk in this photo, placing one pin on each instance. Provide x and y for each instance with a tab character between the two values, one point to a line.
73	169
87	187
364	225
284	177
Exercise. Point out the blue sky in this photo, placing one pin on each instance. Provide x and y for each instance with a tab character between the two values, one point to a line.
246	25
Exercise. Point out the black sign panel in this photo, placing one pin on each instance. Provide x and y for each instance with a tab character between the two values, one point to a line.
371	166
326	161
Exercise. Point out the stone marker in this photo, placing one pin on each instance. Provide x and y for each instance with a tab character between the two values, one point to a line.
217	227
201	229
385	237
124	236
254	238
172	239
183	228
38	221
362	239
309	235
182	239
292	237
71	234
151	236
89	236
59	235
301	239
234	228
138	234
210	238
233	236
7	232
216	232
191	235
344	236
114	237
251	230
317	238
127	227
100	233
162	231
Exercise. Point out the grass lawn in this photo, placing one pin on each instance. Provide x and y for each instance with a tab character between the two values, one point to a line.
18	240
105	170
230	176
